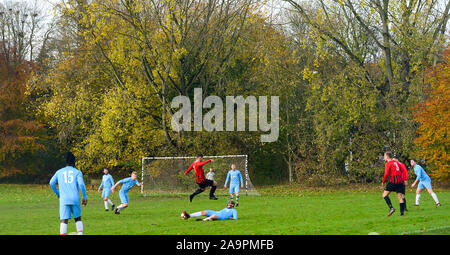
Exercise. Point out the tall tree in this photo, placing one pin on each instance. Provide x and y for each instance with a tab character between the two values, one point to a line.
22	137
433	116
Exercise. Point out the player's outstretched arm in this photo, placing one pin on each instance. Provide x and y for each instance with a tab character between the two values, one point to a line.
205	162
115	185
189	169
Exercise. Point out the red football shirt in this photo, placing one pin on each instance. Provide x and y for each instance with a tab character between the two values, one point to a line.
405	175
198	167
395	172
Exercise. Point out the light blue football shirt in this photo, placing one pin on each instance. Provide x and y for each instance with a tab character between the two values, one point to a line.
127	184
234	176
421	174
107	182
69	180
227	213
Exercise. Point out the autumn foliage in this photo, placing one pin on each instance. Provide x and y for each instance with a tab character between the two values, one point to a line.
18	131
433	115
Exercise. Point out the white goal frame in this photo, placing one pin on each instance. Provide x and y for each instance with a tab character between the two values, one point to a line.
194	157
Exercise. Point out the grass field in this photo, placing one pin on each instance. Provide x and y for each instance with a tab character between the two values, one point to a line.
33	210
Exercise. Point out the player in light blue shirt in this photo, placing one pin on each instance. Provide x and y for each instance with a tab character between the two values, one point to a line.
227	213
234	176
69	180
107	183
424	182
127	184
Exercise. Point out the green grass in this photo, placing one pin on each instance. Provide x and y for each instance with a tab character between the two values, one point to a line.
30	210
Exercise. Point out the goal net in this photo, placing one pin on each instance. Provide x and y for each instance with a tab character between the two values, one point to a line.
166	174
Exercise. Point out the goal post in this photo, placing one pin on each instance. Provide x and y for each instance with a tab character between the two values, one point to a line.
166	174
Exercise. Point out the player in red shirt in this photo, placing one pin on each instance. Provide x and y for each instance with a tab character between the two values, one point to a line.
396	182
201	180
405	177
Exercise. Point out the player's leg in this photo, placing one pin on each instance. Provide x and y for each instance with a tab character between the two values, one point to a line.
195	215
404	198
64	216
111	203
404	202
401	202
76	211
213	189
401	197
388	201
433	195
124	200
236	192
210	218
105	201
63	227
210	215
120	208
198	191
418	195
427	185
231	191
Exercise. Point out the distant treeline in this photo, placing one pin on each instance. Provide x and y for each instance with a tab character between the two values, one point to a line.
354	79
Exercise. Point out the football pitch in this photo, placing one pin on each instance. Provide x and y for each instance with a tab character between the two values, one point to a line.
279	210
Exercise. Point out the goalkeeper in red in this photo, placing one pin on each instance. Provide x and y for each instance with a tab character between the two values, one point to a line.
396	182
201	180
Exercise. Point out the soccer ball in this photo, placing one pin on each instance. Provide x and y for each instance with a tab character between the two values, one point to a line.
182	216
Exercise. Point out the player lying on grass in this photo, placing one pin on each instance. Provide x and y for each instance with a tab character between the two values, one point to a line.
69	180
200	178
405	178
234	176
424	182
107	183
396	183
127	184
224	214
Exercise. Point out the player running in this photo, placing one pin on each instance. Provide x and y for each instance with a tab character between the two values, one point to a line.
69	180
200	178
424	182
234	176
224	214
396	183
107	183
405	178
127	184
